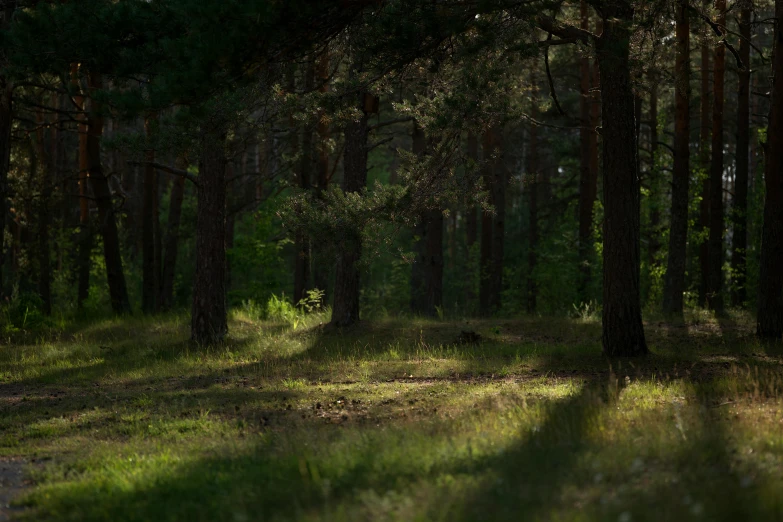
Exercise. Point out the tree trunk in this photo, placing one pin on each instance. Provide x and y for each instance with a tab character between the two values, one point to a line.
471	226
209	323
770	304
85	232
118	292
230	220
345	311
302	242
499	221
588	171
322	268
427	270
150	283
739	214
715	249
488	287
654	244
44	212
172	239
704	163
623	332
674	282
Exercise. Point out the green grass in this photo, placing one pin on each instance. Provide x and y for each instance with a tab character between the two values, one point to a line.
124	420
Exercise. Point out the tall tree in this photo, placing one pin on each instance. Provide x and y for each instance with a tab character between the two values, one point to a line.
705	119
302	242
427	270
674	282
492	224
118	292
588	166
321	268
209	324
623	332
533	190
85	232
345	310
715	249
172	238
770	303
150	270
739	211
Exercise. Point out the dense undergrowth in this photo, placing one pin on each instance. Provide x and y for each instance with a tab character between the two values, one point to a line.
123	419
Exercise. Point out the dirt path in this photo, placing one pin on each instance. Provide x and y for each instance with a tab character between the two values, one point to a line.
12	483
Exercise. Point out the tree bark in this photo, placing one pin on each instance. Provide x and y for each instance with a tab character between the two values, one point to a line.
150	283
172	239
674	282
739	214
704	163
770	303
345	311
623	332
209	323
499	220
115	276
715	249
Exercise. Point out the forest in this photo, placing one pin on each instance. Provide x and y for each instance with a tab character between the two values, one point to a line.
391	260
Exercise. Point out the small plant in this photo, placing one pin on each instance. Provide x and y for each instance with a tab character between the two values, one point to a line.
586	311
313	301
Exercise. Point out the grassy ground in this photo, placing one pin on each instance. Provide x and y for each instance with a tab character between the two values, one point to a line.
122	420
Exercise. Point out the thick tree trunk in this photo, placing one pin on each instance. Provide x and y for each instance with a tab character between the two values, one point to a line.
715	249
302	242
345	311
739	213
770	304
704	163
623	332
115	276
172	239
674	282
150	283
588	164
209	323
230	219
